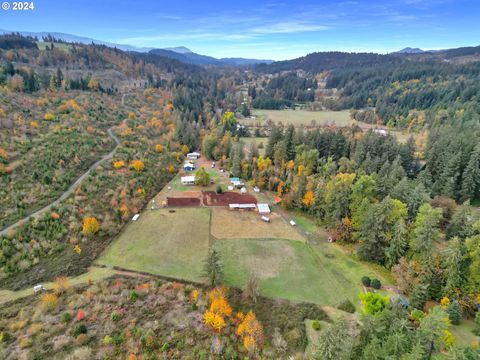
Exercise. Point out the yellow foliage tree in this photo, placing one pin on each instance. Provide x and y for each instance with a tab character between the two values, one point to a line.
2	113
49	301
185	149
251	330
118	164
3	153
49	116
124	210
90	226
137	165
159	148
132	115
60	285
215	321
93	84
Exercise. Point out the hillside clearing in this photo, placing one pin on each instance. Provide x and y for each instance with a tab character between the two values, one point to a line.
161	242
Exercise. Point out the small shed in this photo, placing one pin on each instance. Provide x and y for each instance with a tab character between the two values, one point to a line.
136	216
293	223
263	208
266	219
234	180
193	155
256	189
188	180
382	132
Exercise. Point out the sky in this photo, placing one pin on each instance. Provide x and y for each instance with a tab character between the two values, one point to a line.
273	29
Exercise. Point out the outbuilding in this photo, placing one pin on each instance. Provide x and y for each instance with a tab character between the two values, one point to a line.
188	180
263	208
193	155
242	206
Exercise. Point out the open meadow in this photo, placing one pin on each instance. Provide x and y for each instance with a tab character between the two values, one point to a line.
302	117
161	242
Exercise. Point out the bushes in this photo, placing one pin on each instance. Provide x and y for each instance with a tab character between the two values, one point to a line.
476	329
346	305
376	284
366	281
79	329
316	325
66	317
115	316
134	296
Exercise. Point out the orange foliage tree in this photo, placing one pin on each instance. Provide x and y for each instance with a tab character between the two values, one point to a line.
90	226
308	199
49	301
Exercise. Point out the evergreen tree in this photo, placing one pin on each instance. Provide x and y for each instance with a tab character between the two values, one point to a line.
426	230
213	269
398	244
455	266
471	176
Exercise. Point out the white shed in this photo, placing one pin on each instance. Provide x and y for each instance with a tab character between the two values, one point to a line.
188	180
263	208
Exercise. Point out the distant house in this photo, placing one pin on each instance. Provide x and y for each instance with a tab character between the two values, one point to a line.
188	166
263	208
242	206
193	155
188	180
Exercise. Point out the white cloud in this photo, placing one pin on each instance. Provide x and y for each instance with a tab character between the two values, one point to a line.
288	27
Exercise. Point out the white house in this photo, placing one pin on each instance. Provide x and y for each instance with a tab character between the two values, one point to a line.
188	166
188	180
263	208
193	155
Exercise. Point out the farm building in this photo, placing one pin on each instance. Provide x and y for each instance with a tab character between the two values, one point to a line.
188	166
193	155
188	180
263	208
242	206
380	132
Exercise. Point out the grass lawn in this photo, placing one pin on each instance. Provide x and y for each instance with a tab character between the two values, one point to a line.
289	270
463	333
228	224
248	141
163	243
302	117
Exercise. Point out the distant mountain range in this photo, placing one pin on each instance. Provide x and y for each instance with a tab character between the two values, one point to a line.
180	53
409	50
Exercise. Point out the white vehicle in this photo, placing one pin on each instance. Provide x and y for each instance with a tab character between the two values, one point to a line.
293	223
38	288
136	216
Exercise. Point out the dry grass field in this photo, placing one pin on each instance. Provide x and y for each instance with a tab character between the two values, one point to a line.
228	224
302	117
